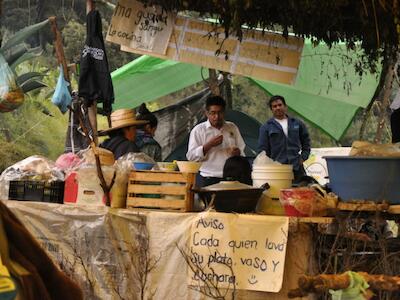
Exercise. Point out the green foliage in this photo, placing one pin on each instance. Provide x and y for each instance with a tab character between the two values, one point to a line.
28	131
22	35
74	34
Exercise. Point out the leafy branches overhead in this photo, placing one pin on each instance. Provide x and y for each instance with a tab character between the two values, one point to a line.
373	22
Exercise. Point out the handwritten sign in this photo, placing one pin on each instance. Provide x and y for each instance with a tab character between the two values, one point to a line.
138	27
265	56
241	250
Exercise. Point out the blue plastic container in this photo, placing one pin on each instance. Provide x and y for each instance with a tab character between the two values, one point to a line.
365	178
143	165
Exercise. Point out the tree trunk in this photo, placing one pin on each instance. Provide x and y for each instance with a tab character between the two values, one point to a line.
378	95
387	90
227	90
213	82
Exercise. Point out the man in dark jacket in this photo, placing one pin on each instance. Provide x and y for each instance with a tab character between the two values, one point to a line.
122	133
284	138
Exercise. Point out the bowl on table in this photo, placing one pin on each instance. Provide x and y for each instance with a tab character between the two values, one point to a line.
167	166
143	165
188	166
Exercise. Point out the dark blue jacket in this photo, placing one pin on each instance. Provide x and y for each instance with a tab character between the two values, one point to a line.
119	146
286	150
147	144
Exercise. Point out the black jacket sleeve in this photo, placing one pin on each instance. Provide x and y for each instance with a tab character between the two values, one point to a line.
94	79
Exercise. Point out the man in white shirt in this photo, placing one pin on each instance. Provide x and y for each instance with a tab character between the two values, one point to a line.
214	141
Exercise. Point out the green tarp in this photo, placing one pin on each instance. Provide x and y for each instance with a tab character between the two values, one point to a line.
148	78
327	92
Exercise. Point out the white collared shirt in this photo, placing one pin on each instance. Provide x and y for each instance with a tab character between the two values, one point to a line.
214	160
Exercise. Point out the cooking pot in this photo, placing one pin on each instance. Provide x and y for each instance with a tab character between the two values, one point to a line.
231	196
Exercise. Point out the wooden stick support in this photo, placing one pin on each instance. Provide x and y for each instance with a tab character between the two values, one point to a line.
324	282
92	110
363	206
59	47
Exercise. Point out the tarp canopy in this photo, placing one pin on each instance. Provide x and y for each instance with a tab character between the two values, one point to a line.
328	91
148	78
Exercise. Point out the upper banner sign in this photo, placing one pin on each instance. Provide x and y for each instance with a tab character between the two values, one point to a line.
138	27
265	56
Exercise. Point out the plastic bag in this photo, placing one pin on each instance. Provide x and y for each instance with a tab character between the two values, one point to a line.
34	167
11	95
126	160
363	148
67	162
62	97
307	201
106	156
263	159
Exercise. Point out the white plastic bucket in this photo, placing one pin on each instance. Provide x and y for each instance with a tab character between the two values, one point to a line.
277	176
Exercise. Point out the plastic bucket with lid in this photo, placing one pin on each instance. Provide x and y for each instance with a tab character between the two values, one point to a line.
277	176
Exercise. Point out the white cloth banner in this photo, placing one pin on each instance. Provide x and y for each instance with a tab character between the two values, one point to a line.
108	251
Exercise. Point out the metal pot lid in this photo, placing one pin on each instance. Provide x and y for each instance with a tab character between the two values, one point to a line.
228	186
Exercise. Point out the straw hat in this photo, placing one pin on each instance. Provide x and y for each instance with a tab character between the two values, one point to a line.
122	118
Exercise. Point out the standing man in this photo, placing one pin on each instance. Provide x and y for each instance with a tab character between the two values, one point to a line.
214	141
284	138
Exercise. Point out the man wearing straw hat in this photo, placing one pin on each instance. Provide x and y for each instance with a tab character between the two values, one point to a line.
122	132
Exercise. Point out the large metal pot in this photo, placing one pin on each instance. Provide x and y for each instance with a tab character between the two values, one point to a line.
230	196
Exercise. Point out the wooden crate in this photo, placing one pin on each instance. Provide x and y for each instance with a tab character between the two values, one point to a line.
149	189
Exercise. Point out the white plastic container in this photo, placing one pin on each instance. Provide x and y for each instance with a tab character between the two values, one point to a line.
276	175
89	189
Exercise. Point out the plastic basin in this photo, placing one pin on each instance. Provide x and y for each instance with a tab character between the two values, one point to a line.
365	178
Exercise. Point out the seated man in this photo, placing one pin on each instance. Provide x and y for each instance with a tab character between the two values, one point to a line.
237	168
122	133
213	141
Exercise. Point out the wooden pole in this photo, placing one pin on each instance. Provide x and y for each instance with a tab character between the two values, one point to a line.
58	45
92	110
92	113
106	188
